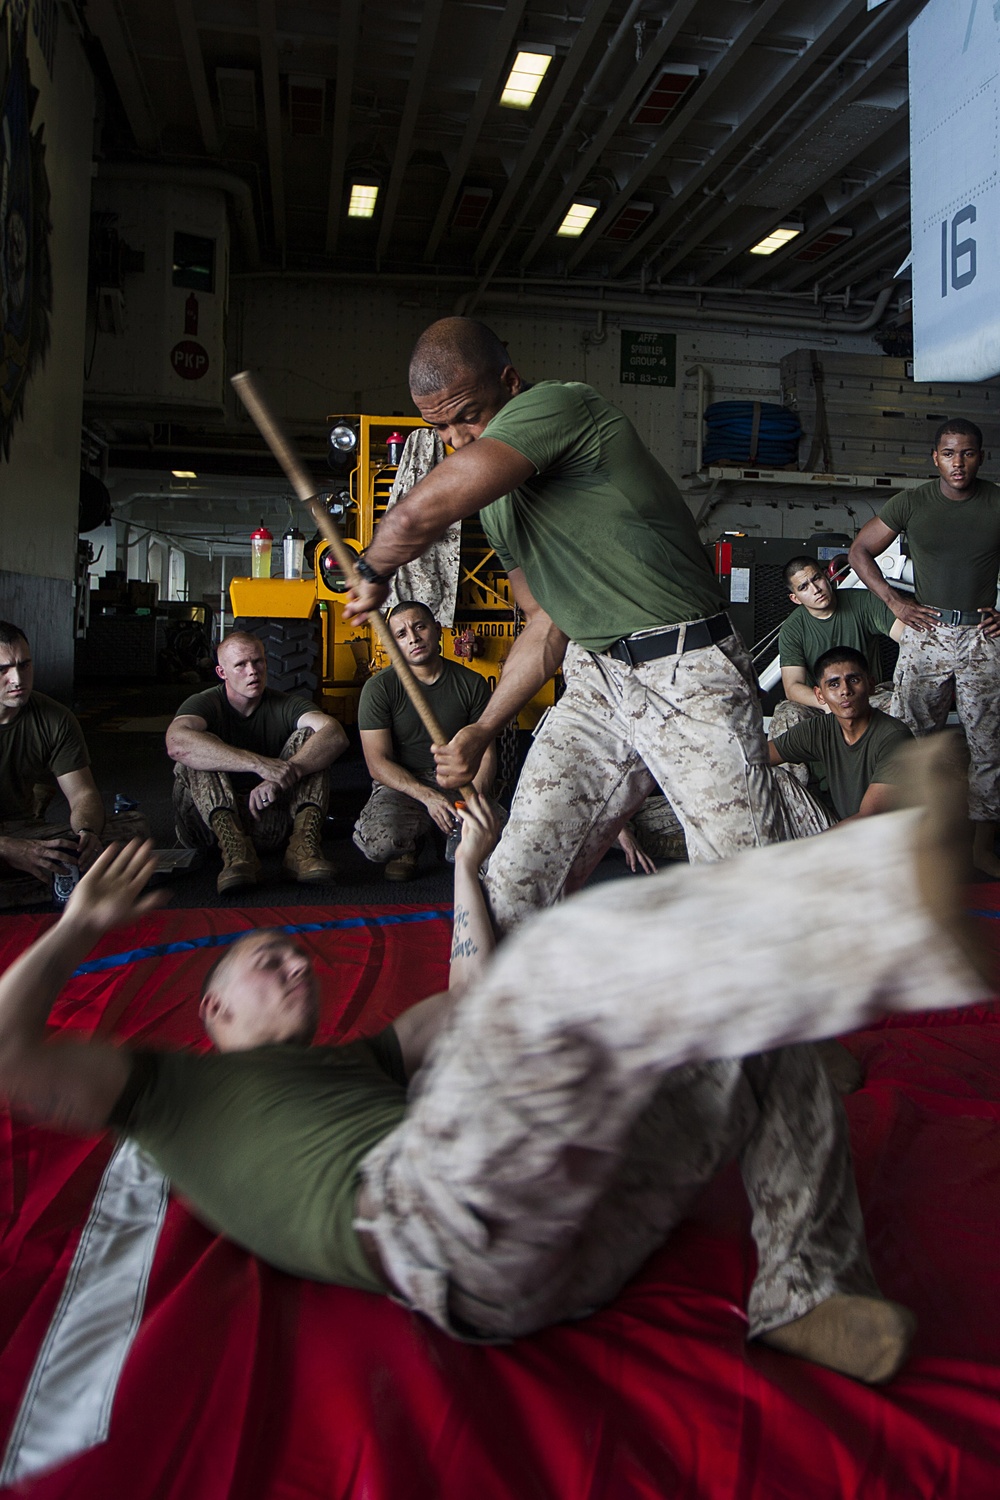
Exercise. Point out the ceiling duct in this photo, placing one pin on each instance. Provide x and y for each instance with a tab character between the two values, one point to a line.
237	91
664	94
470	211
822	246
306	97
628	223
841	134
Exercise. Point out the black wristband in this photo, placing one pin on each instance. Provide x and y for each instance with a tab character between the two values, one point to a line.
368	573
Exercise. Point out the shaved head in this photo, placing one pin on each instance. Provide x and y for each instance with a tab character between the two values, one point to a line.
260	992
238	638
453	349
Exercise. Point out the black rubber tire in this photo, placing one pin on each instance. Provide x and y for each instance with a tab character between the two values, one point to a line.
292	648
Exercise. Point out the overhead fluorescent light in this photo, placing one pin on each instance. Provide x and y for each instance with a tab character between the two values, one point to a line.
776	239
631	219
525	77
183	474
578	216
364	193
664	94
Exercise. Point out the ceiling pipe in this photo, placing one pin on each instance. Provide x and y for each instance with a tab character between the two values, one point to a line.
700	314
651	294
235	188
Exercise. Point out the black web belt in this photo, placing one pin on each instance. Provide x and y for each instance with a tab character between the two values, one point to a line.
635	649
957	616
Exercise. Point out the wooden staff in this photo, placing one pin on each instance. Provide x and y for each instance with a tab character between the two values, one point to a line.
281	446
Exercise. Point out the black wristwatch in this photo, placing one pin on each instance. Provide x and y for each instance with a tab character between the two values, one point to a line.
368	573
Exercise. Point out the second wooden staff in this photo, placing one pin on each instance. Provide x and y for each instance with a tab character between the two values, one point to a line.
281	446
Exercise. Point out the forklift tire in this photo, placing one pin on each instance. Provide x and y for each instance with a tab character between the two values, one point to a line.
292	648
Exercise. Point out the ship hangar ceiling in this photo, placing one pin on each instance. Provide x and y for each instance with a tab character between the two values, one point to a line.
687	133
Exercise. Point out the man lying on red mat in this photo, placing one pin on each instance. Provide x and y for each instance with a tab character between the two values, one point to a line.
507	1155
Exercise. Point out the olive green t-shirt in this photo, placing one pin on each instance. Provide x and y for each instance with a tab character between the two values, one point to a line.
850	769
857	621
457	698
263	732
602	534
43	740
955	544
267	1145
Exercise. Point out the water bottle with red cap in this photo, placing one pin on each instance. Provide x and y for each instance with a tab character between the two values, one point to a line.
261	542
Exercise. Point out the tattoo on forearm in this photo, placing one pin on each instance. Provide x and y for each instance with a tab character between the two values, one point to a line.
462	947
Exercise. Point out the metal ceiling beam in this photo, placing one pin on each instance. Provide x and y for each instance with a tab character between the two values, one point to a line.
863	255
191	44
702	92
272	116
785	262
430	15
666	223
838	18
106	25
765	219
565	77
889	54
485	97
347	53
652	60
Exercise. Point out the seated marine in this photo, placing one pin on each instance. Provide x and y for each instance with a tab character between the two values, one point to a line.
252	768
406	803
851	748
825	616
42	749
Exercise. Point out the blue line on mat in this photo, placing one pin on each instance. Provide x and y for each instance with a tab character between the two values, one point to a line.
221	939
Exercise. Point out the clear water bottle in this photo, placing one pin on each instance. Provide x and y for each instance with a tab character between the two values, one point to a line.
293	545
64	884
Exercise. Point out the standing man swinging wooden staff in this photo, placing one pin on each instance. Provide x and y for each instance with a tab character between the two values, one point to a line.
605	561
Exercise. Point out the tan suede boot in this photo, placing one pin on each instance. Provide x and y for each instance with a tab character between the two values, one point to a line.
240	865
865	1337
304	857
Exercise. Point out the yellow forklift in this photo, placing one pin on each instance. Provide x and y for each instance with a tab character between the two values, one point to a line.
310	648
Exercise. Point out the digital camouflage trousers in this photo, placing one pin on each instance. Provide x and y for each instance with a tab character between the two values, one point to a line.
575	1104
957	659
689	725
198	794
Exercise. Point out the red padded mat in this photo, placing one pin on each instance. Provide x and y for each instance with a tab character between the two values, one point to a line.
246	1383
